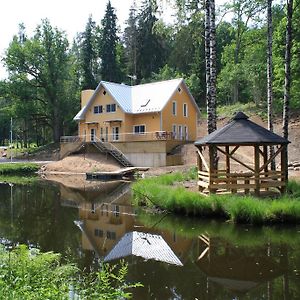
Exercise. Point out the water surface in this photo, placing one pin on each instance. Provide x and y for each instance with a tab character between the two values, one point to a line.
205	259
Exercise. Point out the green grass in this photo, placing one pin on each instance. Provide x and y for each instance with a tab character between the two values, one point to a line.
18	168
157	193
249	109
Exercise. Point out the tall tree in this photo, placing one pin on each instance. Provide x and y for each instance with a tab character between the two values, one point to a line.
287	81
109	67
210	56
150	52
270	74
43	62
88	55
130	41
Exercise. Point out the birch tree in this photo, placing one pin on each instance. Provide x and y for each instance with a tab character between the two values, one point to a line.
287	71
270	75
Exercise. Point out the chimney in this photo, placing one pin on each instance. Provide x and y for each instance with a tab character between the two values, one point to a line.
85	96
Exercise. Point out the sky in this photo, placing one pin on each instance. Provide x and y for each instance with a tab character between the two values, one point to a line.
70	16
67	15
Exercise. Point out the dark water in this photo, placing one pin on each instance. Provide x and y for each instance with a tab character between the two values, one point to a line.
219	260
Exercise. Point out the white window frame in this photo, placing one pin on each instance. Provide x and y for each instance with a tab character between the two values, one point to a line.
180	132
185	110
110	105
186	132
174	108
115	135
139	132
174	131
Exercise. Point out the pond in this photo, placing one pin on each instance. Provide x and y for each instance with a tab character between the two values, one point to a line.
174	258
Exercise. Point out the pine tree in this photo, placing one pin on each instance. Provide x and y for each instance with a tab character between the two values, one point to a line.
150	52
130	41
110	70
88	56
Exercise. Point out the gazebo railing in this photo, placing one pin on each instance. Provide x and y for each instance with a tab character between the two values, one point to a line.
220	181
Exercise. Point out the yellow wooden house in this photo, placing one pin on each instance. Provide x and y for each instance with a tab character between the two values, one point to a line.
145	122
118	112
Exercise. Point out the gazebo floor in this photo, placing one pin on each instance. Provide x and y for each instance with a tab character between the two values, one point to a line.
262	194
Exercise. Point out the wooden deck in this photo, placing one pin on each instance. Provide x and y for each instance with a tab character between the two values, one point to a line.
124	173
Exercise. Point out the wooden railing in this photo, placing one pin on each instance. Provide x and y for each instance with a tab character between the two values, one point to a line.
221	180
125	137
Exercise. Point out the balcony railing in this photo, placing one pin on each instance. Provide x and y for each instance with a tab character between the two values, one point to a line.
124	137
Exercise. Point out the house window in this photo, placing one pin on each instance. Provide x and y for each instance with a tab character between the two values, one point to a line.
186	133
180	132
111	235
110	107
139	129
115	131
174	131
174	108
98	232
185	110
179	90
101	134
98	109
104	92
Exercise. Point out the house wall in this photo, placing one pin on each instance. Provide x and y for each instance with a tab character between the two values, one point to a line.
98	121
168	119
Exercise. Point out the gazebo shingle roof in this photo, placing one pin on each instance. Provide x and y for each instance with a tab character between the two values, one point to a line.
241	131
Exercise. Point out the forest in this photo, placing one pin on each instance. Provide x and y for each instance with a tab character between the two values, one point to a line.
46	72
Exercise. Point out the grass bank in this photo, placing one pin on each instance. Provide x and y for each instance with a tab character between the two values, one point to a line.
157	192
18	168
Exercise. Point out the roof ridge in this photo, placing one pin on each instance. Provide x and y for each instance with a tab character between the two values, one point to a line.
157	82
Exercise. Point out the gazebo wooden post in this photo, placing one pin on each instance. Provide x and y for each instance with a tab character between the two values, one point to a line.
200	168
256	170
227	164
284	168
212	171
265	156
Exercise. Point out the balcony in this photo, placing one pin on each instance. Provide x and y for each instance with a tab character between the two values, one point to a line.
125	137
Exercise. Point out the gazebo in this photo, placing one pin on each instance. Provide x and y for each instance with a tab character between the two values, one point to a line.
234	171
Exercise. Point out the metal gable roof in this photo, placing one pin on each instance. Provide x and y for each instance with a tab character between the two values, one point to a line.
143	98
241	131
145	245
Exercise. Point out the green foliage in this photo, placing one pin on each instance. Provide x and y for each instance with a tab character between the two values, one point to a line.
30	274
108	284
110	70
20	180
18	168
155	192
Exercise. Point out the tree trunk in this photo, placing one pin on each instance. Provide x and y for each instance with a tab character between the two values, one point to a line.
207	65
287	81
270	77
213	63
210	64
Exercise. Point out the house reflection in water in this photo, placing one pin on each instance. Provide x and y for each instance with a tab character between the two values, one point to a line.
221	269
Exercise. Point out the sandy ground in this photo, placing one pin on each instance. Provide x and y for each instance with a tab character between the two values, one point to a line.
82	163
